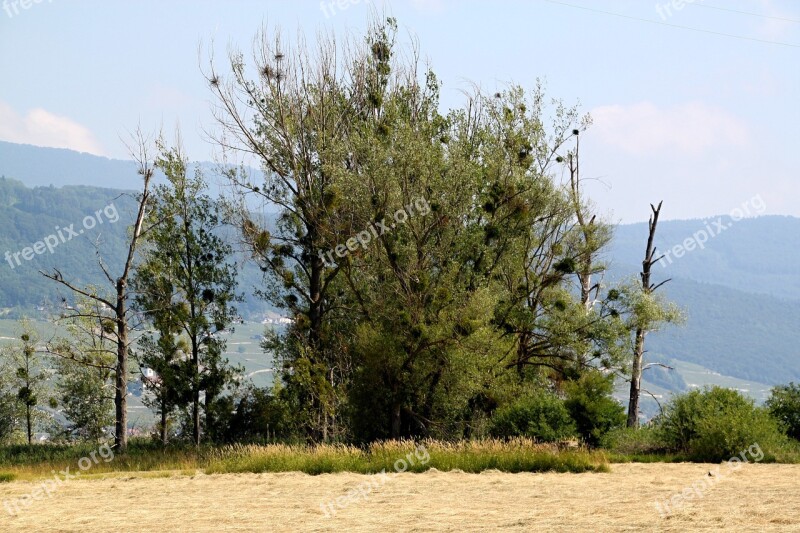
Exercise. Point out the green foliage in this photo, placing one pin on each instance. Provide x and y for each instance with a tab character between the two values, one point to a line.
784	405
590	404
185	287
649	311
23	377
86	398
715	424
634	441
9	411
84	362
541	416
261	416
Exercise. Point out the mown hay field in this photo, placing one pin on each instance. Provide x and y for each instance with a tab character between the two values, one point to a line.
755	497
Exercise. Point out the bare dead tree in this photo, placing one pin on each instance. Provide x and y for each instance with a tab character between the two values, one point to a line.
641	330
115	301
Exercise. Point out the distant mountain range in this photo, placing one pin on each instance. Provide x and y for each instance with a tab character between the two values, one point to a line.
741	291
36	166
754	255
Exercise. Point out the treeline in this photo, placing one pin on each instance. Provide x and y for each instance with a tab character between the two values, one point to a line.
442	271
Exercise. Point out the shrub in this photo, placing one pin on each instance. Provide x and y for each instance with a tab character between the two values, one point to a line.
590	404
784	405
635	441
541	416
716	424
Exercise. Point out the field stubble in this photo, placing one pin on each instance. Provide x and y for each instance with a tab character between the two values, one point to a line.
757	497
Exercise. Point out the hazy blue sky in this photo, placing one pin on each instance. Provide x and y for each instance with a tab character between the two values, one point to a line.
701	120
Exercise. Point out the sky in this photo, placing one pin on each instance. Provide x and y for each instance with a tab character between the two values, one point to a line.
696	103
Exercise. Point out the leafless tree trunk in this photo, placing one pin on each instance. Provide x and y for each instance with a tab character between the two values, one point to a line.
641	332
118	303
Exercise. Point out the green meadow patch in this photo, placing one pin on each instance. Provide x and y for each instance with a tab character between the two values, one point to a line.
516	455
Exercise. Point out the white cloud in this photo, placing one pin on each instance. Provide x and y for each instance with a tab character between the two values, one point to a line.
42	128
688	129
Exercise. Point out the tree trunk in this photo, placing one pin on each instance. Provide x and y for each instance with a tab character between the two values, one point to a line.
315	307
30	424
196	405
396	419
121	378
163	424
636	380
638	351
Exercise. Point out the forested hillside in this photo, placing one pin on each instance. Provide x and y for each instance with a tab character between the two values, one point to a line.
30	215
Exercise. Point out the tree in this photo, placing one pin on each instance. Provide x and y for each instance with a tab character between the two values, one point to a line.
301	117
163	357
590	404
9	418
551	299
28	379
86	398
185	286
647	314
8	403
115	298
784	405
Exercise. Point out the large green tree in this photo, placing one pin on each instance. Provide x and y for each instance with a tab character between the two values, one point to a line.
302	114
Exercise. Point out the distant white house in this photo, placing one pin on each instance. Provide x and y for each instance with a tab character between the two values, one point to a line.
149	376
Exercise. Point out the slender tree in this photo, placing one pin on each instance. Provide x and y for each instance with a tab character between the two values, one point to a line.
647	313
29	378
115	297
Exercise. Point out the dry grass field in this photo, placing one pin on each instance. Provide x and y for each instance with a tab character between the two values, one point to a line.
754	498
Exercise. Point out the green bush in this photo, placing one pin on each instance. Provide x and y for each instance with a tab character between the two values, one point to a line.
590	404
715	424
541	416
784	405
635	441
